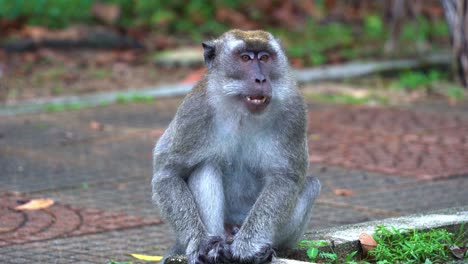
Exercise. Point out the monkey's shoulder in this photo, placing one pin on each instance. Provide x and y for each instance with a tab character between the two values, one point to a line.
192	119
292	117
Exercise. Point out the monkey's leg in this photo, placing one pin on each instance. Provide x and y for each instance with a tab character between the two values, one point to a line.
207	188
293	230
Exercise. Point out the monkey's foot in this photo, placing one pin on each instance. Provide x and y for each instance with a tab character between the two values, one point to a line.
265	255
214	250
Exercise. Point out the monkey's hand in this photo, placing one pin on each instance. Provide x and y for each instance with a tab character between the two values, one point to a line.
244	251
194	247
214	250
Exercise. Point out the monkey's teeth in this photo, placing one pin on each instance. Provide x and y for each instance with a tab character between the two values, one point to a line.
257	100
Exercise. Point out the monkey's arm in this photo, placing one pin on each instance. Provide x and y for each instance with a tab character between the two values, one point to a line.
175	158
177	205
270	211
283	181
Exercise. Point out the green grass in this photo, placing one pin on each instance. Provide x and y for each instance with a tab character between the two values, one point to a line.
313	248
347	99
455	92
51	74
396	246
58	89
412	246
134	98
123	98
101	73
63	107
118	262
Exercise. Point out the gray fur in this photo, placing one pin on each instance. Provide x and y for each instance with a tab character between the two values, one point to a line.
217	164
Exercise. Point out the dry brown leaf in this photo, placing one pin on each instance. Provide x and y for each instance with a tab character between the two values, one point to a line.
35	204
458	252
94	125
343	192
368	243
122	186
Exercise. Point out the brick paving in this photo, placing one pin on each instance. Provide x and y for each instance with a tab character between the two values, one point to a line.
101	175
59	220
392	141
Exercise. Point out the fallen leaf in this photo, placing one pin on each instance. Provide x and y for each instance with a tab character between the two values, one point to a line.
35	204
147	257
458	252
343	192
122	186
368	243
94	125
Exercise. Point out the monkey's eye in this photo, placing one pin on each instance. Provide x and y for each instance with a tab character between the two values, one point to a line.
246	56
264	57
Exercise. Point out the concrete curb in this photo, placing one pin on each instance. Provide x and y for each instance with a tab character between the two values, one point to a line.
40	105
345	239
183	260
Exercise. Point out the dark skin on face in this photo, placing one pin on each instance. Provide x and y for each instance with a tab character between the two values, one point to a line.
256	66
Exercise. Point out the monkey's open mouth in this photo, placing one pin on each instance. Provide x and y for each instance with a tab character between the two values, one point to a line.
256	99
256	103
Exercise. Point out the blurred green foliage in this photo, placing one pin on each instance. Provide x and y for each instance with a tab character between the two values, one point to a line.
374	26
418	30
412	80
51	13
312	42
170	16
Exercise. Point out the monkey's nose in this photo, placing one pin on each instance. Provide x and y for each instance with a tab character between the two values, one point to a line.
260	80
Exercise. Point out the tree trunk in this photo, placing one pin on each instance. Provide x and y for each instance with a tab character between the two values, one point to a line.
456	14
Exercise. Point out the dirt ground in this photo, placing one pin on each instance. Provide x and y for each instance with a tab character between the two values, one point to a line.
48	73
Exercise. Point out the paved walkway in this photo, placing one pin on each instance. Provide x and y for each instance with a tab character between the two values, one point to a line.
96	164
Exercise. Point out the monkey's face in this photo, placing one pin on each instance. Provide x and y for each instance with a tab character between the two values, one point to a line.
253	71
248	64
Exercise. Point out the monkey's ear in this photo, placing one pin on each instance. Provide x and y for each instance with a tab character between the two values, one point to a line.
209	52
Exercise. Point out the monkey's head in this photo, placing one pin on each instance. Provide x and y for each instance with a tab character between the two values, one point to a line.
247	67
